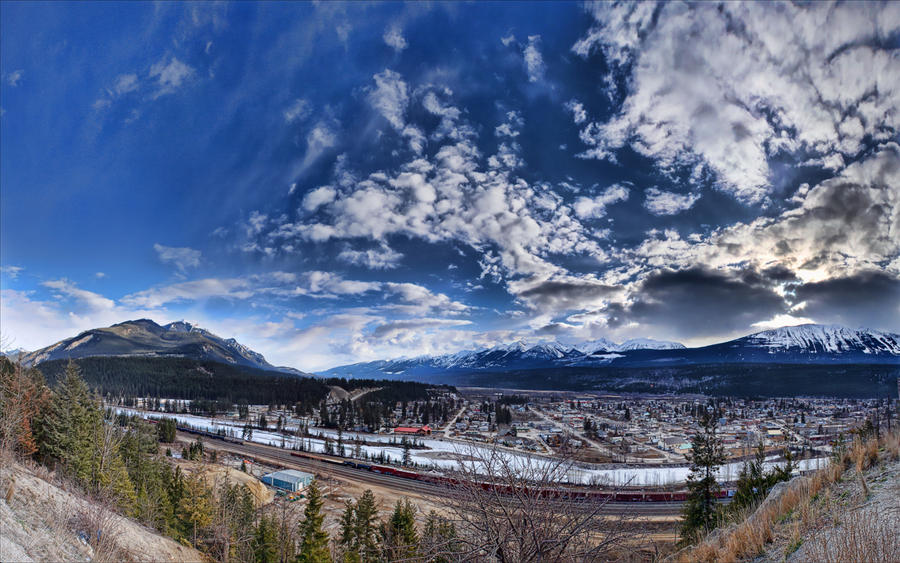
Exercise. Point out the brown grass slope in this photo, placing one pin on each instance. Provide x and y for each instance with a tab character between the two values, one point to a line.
849	511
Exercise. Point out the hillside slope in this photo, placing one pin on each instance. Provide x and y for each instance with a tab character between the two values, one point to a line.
847	511
41	521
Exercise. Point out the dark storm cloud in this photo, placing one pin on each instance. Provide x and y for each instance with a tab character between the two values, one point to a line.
698	302
553	329
870	299
566	295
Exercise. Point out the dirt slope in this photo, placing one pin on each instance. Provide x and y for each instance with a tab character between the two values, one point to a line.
41	521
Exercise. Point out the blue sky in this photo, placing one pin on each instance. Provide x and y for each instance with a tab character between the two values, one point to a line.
332	182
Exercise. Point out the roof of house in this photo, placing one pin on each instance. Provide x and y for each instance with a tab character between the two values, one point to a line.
412	428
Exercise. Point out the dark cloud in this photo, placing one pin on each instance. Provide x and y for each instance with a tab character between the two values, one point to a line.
870	299
566	295
698	302
554	329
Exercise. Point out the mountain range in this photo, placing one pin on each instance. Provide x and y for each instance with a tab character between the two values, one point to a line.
146	338
829	360
804	344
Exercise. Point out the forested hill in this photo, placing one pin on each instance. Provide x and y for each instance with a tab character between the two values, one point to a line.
185	378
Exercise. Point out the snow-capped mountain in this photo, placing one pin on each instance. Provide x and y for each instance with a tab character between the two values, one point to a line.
14	354
834	339
602	345
146	338
648	344
594	346
807	344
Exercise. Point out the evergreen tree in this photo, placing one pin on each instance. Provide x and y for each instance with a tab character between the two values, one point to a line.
700	512
195	508
367	527
439	540
399	536
406	457
166	428
347	539
265	541
751	481
70	425
313	539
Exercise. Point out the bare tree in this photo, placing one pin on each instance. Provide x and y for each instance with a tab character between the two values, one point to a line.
514	508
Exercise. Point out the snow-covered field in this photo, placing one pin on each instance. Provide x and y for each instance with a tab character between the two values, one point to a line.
439	454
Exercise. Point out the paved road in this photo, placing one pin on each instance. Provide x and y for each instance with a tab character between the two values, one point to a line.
281	457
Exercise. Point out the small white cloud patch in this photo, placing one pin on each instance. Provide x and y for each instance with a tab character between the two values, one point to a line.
14	78
297	111
660	202
595	207
182	258
394	39
170	75
534	62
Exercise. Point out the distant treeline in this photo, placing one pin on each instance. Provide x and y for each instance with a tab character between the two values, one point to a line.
185	378
736	380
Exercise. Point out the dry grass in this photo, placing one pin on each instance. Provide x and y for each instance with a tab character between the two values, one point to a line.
860	537
803	506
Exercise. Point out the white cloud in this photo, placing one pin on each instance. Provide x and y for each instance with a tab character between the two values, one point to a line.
419	299
93	301
579	115
14	78
297	111
393	37
11	271
534	62
782	320
595	207
182	258
100	275
195	290
320	138
318	197
170	75
390	98
124	83
660	202
381	258
33	323
792	78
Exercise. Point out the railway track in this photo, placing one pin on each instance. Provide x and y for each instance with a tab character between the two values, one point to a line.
278	456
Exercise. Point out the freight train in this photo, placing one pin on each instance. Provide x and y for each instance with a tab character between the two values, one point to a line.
563	493
572	494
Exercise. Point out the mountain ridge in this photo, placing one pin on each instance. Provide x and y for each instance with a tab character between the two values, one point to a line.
810	343
146	338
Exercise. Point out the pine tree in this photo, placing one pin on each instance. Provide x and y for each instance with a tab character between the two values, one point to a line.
399	536
405	460
367	527
265	541
347	539
71	426
313	539
195	508
700	512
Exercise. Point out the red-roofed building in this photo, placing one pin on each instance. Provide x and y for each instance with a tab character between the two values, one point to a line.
413	430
